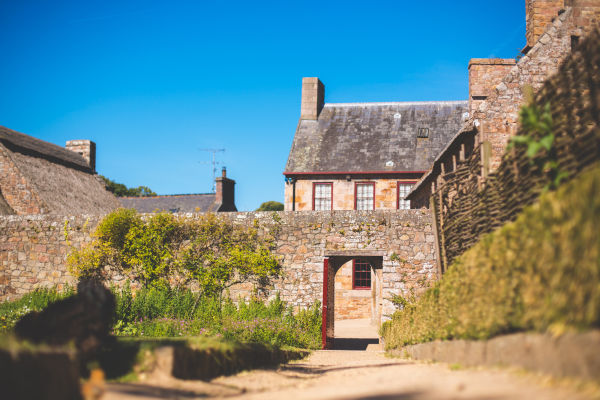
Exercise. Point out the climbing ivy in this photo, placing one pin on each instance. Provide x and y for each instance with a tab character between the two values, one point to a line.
539	141
163	250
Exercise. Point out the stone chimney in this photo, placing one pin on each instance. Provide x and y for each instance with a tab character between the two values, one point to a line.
484	75
313	98
86	148
538	14
225	193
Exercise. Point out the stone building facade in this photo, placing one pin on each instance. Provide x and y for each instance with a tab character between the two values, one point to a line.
362	156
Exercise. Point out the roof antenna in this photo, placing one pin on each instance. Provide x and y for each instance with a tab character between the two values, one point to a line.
214	164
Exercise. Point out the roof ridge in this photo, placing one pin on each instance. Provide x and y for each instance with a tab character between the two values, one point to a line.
398	103
167	195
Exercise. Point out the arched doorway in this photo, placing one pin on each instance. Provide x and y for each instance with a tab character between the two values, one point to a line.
352	289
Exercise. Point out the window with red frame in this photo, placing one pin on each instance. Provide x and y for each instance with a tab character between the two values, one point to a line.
322	196
403	191
365	196
361	274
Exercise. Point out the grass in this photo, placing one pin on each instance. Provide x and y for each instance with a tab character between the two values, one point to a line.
539	273
162	313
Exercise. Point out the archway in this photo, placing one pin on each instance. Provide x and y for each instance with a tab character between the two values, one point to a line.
352	289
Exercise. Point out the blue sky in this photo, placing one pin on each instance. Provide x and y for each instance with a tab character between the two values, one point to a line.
153	82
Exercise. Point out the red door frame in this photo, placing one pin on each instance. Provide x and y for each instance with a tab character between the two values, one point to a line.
324	309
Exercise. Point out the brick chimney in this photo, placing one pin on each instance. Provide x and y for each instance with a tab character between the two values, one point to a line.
225	193
484	75
538	14
313	98
86	148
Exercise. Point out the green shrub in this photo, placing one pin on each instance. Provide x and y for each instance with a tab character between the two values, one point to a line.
162	250
539	273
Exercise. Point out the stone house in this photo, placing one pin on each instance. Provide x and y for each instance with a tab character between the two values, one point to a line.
362	156
37	177
221	201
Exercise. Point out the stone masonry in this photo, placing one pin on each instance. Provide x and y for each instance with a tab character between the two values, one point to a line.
33	249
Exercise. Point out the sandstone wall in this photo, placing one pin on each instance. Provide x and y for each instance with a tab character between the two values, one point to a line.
343	193
33	249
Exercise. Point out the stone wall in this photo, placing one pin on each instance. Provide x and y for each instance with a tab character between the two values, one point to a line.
33	249
499	115
538	14
352	303
16	189
484	75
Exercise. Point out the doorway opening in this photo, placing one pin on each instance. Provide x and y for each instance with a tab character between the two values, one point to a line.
352	300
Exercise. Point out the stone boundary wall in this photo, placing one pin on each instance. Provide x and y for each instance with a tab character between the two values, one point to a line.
33	249
562	356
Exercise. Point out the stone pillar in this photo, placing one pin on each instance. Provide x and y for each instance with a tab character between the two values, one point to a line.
484	75
86	148
538	15
313	98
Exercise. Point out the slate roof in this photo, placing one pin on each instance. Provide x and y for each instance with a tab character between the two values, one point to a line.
180	203
366	137
31	146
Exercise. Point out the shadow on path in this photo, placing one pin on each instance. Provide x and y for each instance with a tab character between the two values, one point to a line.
353	343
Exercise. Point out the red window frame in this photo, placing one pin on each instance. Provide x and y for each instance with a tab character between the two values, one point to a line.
314	192
398	190
356	192
360	285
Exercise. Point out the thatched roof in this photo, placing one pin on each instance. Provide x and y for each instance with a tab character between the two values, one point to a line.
60	179
25	144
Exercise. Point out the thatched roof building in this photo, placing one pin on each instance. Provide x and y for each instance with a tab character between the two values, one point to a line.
37	177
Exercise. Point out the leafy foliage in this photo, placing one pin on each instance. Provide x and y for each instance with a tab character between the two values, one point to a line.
164	312
120	190
155	312
539	141
270	206
162	250
540	272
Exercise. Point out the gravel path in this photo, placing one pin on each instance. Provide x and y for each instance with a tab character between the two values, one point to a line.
347	374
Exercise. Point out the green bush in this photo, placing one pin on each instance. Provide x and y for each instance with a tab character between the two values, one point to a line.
538	273
163	250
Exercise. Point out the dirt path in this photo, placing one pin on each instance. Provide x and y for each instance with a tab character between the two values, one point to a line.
347	374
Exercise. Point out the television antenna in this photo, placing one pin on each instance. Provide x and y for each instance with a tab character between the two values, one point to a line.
214	164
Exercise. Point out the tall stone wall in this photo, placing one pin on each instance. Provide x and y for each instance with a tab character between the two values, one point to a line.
33	249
